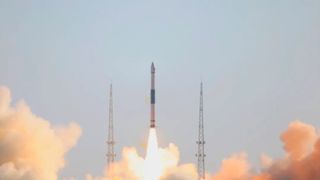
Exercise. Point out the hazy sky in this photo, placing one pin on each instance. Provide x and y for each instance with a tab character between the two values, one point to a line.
259	61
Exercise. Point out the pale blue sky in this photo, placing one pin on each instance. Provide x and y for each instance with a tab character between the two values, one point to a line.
259	61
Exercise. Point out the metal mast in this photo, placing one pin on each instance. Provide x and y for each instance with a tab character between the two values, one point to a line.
110	154
200	155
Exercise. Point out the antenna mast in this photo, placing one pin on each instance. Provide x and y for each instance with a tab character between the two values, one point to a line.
201	155
110	154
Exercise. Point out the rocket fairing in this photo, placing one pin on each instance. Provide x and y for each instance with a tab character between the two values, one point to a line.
153	97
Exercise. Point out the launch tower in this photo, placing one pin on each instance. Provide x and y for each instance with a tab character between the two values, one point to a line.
200	154
110	154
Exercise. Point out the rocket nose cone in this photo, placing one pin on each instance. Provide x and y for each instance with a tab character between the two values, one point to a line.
153	69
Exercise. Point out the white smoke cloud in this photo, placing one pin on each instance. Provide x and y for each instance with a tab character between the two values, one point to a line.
30	147
172	170
131	166
302	162
235	167
301	143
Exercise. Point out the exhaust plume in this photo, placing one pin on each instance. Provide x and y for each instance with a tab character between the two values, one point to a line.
30	148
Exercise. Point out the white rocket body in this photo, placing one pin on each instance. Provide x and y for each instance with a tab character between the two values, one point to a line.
153	97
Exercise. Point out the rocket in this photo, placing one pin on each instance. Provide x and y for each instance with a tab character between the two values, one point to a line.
153	97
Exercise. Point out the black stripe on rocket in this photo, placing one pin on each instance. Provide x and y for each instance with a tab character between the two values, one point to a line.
153	96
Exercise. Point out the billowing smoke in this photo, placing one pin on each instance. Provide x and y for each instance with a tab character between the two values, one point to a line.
302	162
127	168
30	148
235	167
301	143
172	170
132	166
